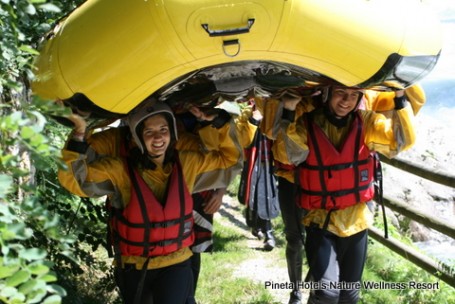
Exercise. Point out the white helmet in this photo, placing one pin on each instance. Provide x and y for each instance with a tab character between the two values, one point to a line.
147	108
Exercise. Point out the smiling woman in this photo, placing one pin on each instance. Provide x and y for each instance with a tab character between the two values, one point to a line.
206	49
344	100
156	136
150	185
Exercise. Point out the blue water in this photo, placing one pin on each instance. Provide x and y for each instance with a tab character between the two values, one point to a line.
439	92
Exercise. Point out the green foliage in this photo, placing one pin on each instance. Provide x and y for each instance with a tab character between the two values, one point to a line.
42	244
41	222
17	22
23	23
85	273
26	274
383	265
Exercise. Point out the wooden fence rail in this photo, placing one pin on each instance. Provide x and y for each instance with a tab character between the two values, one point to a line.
446	179
436	268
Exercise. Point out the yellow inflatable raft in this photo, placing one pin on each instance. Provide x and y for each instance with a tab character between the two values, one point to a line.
111	54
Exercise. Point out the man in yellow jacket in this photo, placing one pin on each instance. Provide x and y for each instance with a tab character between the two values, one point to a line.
331	148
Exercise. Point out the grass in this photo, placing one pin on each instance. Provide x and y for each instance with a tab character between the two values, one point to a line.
218	283
383	265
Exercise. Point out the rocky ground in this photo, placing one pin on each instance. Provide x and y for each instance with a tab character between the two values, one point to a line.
434	150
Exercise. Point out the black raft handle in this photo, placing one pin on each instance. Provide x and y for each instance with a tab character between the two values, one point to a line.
235	31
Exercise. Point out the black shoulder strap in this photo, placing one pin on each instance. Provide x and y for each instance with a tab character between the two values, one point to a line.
379	191
358	137
182	205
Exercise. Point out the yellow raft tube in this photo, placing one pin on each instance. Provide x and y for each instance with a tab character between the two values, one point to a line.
115	53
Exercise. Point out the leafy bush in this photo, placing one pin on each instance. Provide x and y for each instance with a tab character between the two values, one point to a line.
25	266
42	244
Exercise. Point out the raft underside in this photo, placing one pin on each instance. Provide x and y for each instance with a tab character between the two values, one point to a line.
240	81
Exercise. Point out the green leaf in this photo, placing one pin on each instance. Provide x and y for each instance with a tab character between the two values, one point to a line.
40	121
52	222
6	215
7	55
36	296
49	278
7	292
29	286
9	161
17	231
17	299
38	268
54	299
37	140
8	270
17	278
27	132
30	9
16	118
50	8
33	254
6	182
4	249
53	288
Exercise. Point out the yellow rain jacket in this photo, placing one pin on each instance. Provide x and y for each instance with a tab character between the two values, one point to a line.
373	100
383	101
386	135
100	172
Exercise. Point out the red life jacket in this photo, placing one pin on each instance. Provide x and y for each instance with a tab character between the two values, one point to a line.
147	228
331	179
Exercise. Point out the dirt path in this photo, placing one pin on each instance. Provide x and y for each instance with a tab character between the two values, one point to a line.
263	267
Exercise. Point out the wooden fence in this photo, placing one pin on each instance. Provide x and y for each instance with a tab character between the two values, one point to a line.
437	268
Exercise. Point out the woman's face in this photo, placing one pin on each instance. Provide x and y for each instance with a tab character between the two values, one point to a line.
343	100
156	135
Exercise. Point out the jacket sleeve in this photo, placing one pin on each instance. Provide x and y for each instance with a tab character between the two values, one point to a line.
416	96
94	178
106	142
272	111
284	128
246	127
290	146
383	101
216	168
189	141
389	135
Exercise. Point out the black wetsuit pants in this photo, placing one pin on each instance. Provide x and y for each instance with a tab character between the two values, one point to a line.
335	259
293	229
168	285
